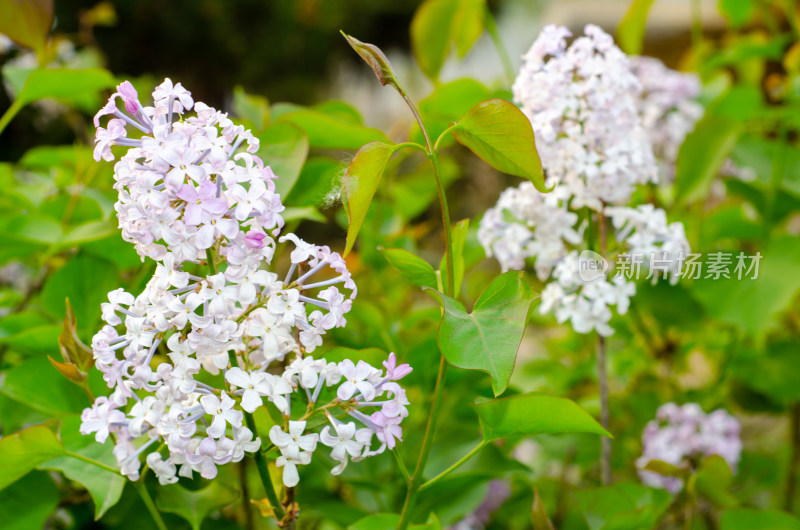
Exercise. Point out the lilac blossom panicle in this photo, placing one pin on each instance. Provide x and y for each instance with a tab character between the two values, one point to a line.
191	192
682	436
598	117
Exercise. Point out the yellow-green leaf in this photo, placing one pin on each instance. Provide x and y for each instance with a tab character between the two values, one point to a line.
500	134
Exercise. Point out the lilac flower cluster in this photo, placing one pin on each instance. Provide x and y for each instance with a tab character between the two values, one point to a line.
668	108
596	132
208	214
681	436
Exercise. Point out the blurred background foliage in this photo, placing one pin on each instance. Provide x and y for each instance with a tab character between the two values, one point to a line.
727	344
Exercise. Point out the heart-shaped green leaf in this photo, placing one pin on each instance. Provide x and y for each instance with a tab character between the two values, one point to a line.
500	134
488	338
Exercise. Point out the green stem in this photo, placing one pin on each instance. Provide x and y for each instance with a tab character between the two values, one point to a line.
505	58
455	466
10	113
776	179
263	472
148	502
416	479
401	465
88	460
210	258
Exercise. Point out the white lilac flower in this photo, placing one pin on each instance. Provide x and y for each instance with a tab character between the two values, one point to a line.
582	102
681	436
659	246
208	215
526	223
598	118
668	108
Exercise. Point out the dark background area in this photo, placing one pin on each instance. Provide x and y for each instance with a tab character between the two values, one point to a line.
282	49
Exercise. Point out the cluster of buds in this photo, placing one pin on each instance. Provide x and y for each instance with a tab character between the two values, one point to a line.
216	334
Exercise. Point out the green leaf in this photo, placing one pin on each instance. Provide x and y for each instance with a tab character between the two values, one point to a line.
382	521
737	12
539	516
376	60
328	132
284	147
777	377
532	414
86	280
64	83
488	338
360	182
316	181
412	267
438	25
251	107
754	305
500	134
39	385
104	486
631	30
460	231
702	153
27	22
194	506
748	518
448	103
713	481
623	506
28	503
304	213
22	451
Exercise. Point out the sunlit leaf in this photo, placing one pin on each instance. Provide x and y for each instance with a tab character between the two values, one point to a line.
22	451
360	182
27	22
500	134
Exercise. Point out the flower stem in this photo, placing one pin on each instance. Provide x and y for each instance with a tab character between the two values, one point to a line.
263	472
491	28
149	504
401	465
602	374
10	113
455	466
794	462
416	479
93	462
